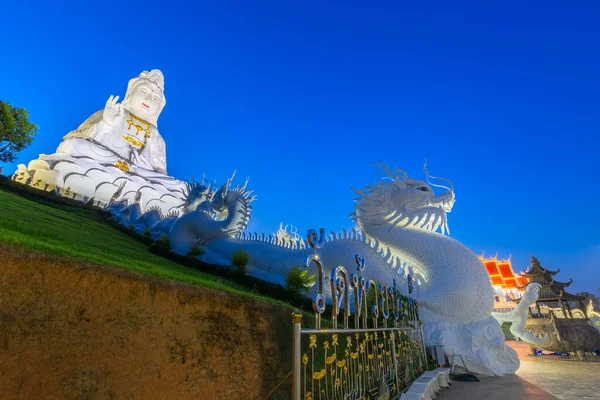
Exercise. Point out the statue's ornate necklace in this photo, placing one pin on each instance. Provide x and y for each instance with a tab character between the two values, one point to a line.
138	128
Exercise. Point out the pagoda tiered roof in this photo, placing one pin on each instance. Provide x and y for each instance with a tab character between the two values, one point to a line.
551	290
535	268
502	274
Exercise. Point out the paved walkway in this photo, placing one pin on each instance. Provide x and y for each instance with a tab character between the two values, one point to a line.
535	380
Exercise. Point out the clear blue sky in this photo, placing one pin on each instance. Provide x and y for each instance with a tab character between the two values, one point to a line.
502	98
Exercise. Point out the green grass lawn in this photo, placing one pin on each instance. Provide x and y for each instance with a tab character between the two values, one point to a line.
83	235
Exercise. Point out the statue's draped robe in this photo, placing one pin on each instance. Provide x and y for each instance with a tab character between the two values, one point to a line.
107	145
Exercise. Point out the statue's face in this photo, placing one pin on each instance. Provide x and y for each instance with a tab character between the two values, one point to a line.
145	101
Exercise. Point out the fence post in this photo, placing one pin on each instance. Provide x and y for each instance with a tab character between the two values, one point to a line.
393	333
423	346
296	355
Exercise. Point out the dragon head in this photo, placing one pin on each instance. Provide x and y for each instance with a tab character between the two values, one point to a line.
218	201
199	195
218	206
403	202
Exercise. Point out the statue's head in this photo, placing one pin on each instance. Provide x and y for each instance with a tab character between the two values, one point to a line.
404	202
145	97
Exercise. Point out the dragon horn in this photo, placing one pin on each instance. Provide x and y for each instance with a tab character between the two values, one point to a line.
427	176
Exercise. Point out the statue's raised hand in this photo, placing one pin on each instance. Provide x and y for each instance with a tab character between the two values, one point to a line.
112	111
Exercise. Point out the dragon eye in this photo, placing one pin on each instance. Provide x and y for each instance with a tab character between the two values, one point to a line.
423	189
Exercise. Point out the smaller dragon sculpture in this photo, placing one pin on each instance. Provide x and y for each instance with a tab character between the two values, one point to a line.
518	316
205	214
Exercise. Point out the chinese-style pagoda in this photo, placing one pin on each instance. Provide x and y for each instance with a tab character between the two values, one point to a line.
552	291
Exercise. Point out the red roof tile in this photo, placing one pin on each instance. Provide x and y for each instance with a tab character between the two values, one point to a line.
502	274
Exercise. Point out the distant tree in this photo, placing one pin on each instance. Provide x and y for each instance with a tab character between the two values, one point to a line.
16	132
298	279
239	259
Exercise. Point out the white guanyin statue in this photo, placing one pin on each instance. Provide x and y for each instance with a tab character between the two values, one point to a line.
119	146
125	134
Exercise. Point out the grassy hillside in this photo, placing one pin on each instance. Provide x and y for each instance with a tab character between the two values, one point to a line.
83	235
119	313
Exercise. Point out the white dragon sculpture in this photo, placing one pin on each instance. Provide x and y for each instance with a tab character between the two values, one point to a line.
401	227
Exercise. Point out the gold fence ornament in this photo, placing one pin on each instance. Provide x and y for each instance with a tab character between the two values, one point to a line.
296	317
331	359
320	375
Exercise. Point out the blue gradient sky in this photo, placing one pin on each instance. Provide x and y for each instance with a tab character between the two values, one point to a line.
502	98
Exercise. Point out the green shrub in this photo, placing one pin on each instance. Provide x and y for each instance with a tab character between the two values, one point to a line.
161	245
195	251
147	234
298	279
239	260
